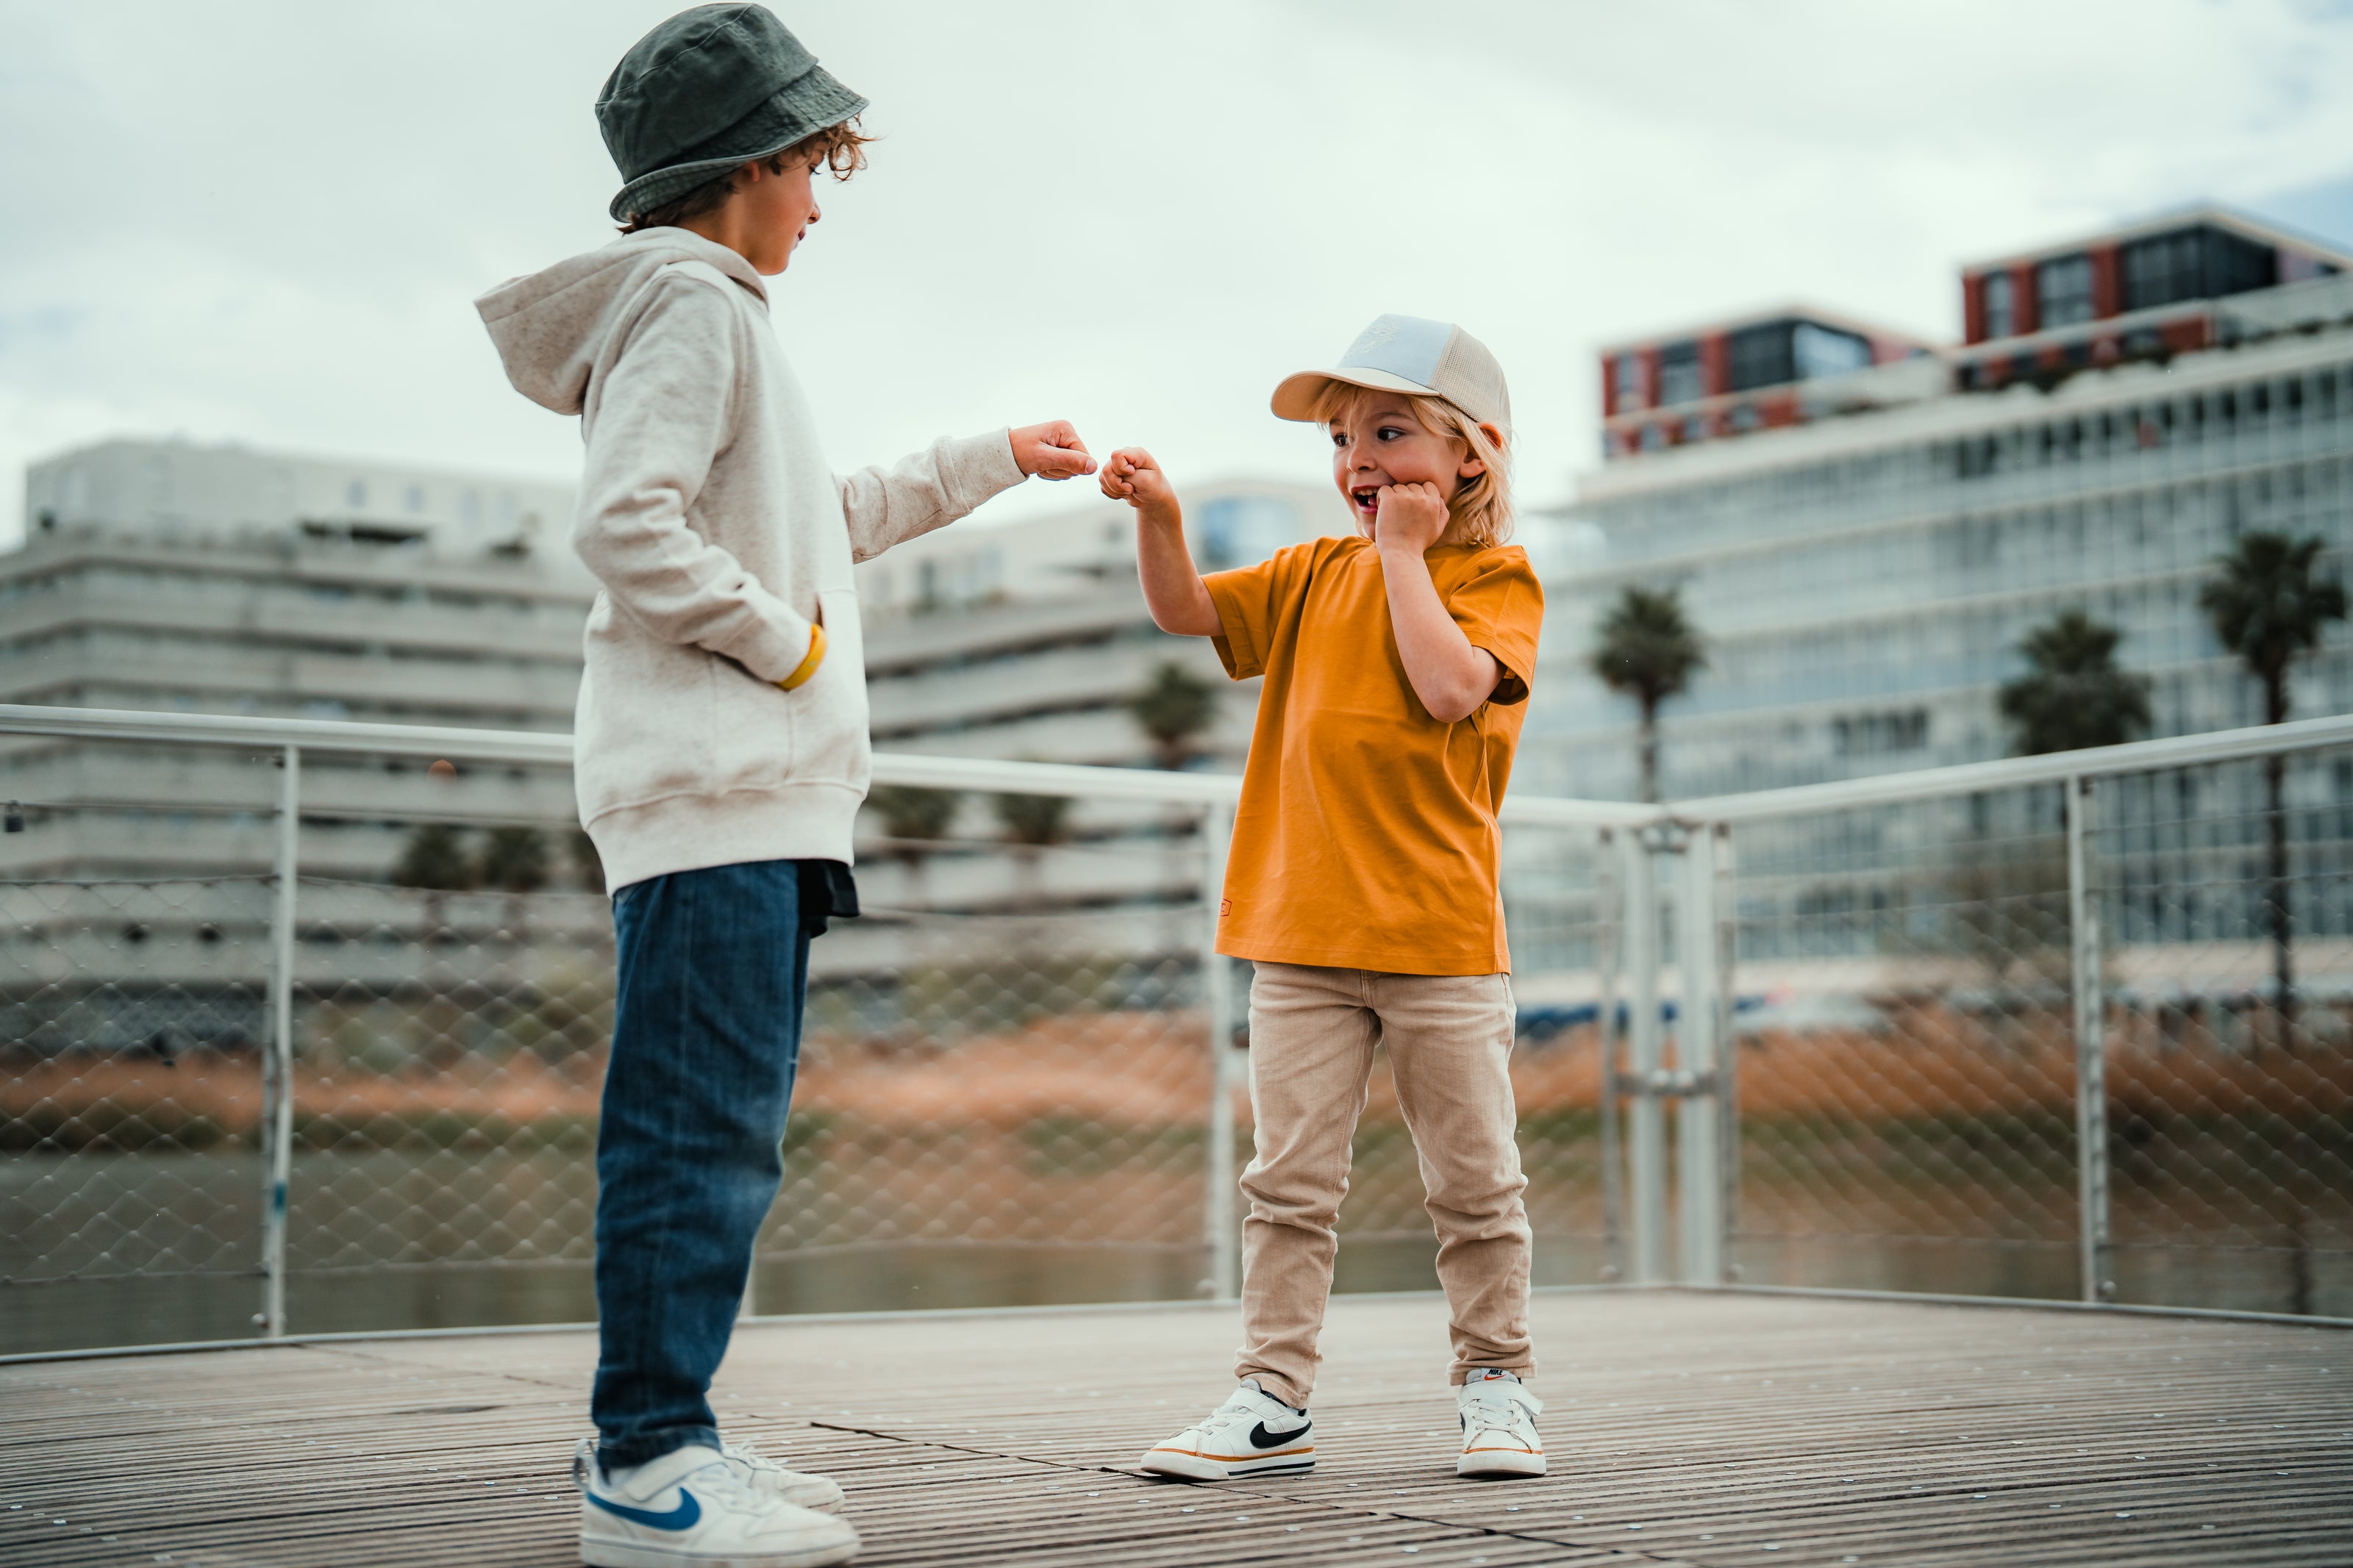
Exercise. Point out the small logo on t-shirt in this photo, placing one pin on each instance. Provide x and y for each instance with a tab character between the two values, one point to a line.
1224	907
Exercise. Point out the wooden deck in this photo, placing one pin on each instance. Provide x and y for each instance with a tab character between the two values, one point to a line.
1684	1429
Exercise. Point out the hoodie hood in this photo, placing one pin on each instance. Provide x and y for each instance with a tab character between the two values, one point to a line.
551	326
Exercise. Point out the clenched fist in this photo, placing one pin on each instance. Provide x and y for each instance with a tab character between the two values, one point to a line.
1051	450
1410	518
1130	475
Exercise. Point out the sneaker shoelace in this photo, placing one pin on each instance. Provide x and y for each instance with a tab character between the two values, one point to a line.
1489	1408
763	1472
1235	1411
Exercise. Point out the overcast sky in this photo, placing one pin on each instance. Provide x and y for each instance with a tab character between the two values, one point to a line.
265	221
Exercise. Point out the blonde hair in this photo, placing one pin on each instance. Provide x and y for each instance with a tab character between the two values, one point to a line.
1480	510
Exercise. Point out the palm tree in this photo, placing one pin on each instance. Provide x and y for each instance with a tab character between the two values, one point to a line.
915	817
2269	607
435	859
1646	649
1033	820
515	859
2073	696
1030	823
1174	708
911	814
586	864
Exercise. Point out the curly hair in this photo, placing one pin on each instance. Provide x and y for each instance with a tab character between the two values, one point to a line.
839	149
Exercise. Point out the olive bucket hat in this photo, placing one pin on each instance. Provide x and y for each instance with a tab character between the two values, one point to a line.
708	91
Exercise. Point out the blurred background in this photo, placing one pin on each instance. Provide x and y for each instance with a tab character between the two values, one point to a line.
1895	387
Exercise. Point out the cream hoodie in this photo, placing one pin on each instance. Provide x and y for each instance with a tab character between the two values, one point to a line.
707	513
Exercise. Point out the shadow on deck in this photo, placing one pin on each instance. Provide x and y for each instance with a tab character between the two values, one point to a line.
1684	1428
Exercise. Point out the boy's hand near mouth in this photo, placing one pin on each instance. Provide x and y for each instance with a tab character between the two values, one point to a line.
1410	518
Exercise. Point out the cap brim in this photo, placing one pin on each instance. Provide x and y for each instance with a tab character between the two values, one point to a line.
1295	395
814	102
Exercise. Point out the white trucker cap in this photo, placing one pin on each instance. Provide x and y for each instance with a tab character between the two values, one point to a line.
1408	354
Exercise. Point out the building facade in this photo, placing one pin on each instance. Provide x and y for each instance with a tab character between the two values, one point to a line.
223	580
165	575
1863	575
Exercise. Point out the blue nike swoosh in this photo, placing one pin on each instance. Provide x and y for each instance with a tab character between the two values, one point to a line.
682	1517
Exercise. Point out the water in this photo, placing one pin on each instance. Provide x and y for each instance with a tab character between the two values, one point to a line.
188	1218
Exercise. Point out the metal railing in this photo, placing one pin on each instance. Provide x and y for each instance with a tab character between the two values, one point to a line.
1657	931
1689	848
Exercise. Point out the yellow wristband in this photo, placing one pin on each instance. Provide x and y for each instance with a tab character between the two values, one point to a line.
808	666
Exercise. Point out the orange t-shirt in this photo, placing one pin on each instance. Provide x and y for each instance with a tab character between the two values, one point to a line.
1365	837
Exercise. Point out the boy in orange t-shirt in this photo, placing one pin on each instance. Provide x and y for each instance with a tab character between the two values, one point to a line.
1362	878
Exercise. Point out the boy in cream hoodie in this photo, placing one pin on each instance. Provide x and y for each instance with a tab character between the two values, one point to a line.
721	742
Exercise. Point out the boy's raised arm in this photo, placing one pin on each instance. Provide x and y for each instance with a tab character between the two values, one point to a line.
950	478
1172	590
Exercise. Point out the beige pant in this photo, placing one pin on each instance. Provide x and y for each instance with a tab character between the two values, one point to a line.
1313	1032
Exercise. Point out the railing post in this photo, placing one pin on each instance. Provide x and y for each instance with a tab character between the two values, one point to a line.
277	1062
2091	1048
1727	1043
1608	943
1219	1219
1646	1141
1698	1135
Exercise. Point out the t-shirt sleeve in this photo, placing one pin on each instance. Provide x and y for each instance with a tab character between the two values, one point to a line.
1252	601
1500	607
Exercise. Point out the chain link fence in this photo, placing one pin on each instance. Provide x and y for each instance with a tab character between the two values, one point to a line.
1908	1041
1008	1091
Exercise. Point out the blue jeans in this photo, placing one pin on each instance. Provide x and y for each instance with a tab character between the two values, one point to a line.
714	970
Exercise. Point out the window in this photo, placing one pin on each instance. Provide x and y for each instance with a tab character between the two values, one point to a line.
1627	378
2200	263
1242	531
416	498
1679	374
2000	309
1759	357
356	493
2064	289
1822	350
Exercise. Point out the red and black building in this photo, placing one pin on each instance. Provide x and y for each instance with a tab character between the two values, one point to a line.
2144	292
1732	377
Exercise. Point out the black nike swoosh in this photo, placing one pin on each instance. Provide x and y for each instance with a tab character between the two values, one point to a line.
1264	1438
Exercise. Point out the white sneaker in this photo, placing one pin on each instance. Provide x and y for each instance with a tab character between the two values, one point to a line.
699	1508
1252	1434
1499	1426
797	1487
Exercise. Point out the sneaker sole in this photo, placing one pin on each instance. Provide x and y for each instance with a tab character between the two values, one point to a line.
607	1553
1204	1467
1500	1462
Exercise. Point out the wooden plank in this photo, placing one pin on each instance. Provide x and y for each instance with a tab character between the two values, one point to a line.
1683	1428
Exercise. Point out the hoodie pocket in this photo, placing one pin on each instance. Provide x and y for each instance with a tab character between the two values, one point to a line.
647	722
830	744
815	733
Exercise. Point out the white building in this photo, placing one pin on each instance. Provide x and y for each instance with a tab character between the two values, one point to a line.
157	575
1865	558
160	574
